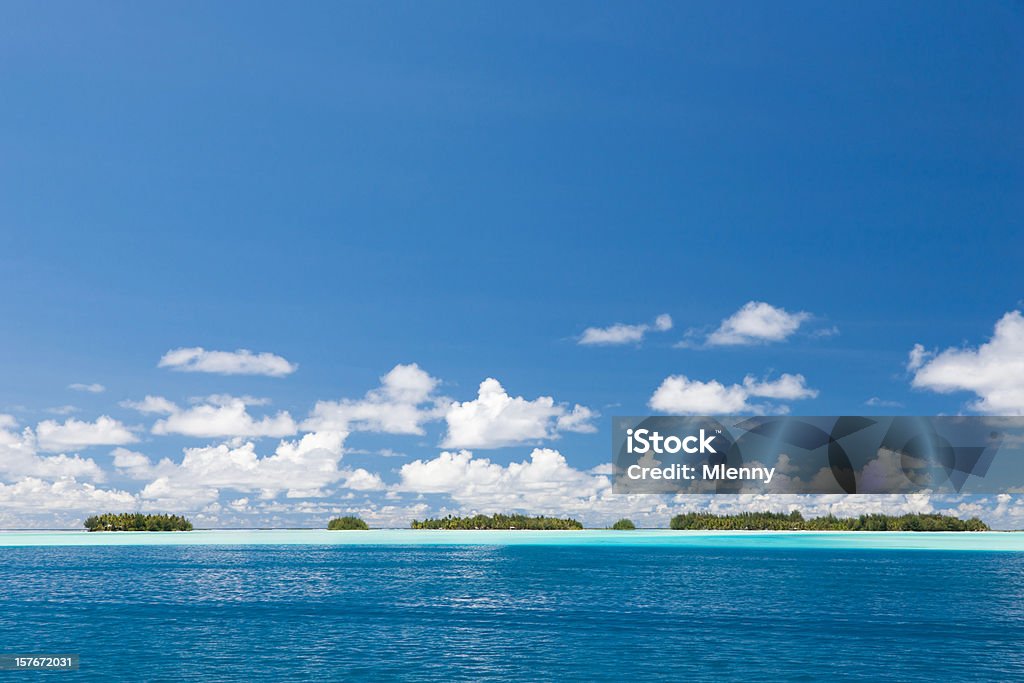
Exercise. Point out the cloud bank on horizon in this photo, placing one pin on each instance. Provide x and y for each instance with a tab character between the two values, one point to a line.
227	473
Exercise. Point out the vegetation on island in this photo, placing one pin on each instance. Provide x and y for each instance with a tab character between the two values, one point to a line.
349	523
624	525
497	522
136	521
794	521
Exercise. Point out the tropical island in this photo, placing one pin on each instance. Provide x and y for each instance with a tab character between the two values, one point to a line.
624	525
794	521
498	521
136	521
348	523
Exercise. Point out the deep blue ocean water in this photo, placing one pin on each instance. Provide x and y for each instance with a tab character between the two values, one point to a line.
514	612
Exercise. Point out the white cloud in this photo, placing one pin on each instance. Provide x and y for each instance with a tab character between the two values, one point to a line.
620	333
240	362
128	459
876	402
62	410
74	434
825	332
544	484
89	388
495	419
222	399
756	322
544	481
221	416
362	480
579	419
300	468
404	401
136	465
54	467
34	495
407	384
679	394
994	371
157	405
18	458
916	358
787	387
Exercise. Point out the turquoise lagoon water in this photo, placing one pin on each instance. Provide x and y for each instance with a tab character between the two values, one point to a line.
863	540
516	606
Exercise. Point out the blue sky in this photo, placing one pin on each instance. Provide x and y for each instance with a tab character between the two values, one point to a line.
470	187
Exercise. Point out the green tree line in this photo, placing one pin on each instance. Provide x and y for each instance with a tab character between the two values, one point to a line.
136	521
497	521
794	521
348	523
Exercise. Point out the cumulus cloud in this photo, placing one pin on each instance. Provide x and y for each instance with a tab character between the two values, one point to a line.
157	405
88	388
239	362
994	371
755	323
217	416
360	479
579	419
136	465
678	394
73	434
18	458
494	419
299	468
545	479
543	484
620	333
403	402
34	495
787	387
